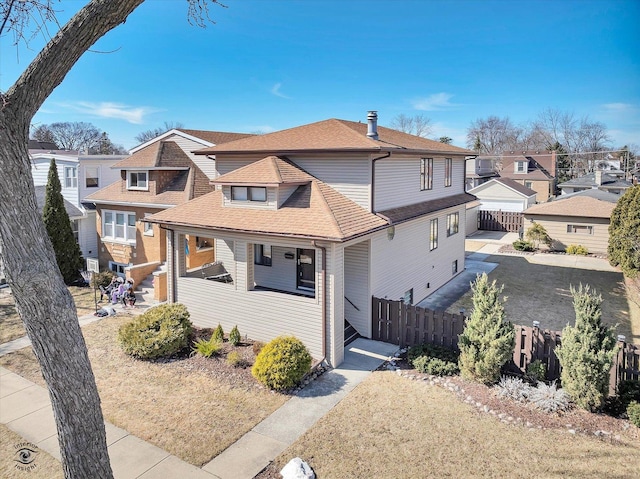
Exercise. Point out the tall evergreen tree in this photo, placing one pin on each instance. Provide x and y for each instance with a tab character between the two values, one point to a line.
624	233
587	351
58	225
487	341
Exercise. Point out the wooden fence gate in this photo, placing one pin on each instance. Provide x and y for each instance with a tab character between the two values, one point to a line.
509	221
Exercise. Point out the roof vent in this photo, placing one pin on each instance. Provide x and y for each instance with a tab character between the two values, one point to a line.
372	125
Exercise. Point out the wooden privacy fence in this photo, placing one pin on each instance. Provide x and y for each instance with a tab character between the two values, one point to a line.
399	323
510	221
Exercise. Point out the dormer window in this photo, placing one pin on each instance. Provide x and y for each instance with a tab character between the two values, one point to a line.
248	193
521	166
137	180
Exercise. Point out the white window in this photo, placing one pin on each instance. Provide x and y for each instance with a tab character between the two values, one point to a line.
137	180
433	239
248	193
580	229
70	177
119	226
91	177
453	220
148	227
74	228
118	268
448	171
426	173
262	254
521	166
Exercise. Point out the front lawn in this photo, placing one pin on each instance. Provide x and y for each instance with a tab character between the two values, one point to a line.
191	407
390	426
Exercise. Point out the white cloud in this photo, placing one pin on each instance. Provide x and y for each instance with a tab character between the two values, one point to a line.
618	107
437	101
113	110
275	90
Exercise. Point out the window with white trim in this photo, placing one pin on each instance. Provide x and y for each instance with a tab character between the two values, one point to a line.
426	174
137	180
148	227
521	166
70	177
262	254
118	268
433	238
453	220
448	171
91	176
119	226
249	193
580	229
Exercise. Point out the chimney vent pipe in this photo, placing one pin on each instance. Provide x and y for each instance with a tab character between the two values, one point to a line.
372	125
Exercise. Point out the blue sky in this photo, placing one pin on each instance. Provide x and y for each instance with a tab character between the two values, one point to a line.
272	64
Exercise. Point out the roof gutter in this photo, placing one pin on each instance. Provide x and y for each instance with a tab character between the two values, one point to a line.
323	275
373	179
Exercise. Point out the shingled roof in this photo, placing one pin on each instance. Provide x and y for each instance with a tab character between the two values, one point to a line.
215	137
270	171
161	154
333	135
577	206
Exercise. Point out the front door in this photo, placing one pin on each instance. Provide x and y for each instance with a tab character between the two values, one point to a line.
306	269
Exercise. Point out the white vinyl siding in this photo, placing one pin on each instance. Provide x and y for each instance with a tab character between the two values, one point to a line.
398	182
495	196
206	164
356	287
394	272
282	273
284	192
556	227
270	203
88	238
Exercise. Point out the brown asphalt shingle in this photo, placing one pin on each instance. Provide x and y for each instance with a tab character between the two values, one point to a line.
405	213
215	137
331	135
580	206
271	170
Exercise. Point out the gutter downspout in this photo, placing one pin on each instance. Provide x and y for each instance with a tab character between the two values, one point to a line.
323	275
373	178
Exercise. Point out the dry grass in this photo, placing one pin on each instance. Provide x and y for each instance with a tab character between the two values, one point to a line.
183	410
392	427
541	292
10	323
44	466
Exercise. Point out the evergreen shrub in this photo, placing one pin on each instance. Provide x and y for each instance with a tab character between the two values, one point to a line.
633	411
206	348
487	341
537	371
434	359
234	336
160	332
577	249
218	333
522	245
282	363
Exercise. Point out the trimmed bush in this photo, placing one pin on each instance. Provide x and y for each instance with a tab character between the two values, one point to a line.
434	359
537	371
633	411
218	333
487	341
206	348
577	249
522	245
587	351
282	363
234	336
159	332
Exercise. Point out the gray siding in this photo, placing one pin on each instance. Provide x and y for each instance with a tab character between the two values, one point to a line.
282	272
206	164
556	227
87	236
398	182
356	287
270	204
226	165
406	262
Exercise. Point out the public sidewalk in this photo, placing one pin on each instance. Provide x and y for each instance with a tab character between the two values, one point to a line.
26	409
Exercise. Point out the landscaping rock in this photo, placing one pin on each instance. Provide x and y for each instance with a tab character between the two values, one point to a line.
296	468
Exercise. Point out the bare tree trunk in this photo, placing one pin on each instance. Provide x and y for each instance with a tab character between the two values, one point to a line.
42	299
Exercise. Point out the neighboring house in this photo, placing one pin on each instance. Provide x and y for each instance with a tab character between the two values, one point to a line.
533	169
80	175
479	170
612	183
503	194
577	219
159	174
309	223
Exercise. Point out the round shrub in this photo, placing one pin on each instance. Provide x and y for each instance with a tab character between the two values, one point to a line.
218	334
102	278
159	332
282	363
522	245
577	249
633	411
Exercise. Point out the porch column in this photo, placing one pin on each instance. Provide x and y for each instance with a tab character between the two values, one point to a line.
334	300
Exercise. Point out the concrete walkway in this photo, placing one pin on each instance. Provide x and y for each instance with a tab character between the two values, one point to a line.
26	409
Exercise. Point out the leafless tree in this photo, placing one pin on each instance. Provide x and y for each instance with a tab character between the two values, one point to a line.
73	136
147	135
27	258
492	135
418	125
